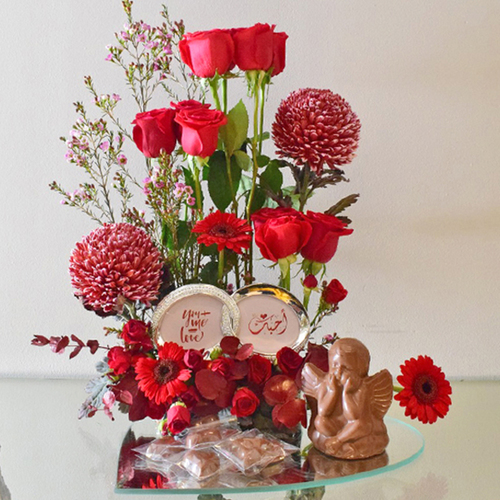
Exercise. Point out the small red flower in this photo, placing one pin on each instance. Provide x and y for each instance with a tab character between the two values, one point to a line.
259	369
135	332
289	361
162	379
426	392
225	231
178	418
310	281
334	292
119	360
245	402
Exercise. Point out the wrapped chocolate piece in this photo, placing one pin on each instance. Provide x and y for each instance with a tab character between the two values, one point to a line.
201	463
210	432
252	450
347	405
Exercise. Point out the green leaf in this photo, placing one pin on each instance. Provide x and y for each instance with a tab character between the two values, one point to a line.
262	160
219	186
234	133
184	235
259	198
272	178
342	204
189	180
209	273
242	160
167	238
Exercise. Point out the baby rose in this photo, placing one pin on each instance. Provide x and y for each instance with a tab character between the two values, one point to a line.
208	52
194	359
280	237
259	369
253	47
119	360
200	130
154	132
334	292
289	361
135	332
178	418
244	403
326	231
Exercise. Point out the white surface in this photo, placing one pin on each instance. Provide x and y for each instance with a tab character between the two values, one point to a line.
422	265
53	456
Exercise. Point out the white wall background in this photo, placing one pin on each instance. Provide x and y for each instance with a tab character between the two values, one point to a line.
422	267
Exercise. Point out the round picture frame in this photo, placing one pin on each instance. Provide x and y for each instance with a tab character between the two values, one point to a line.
270	318
195	316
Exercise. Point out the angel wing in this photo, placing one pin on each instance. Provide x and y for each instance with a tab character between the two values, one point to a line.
312	378
380	389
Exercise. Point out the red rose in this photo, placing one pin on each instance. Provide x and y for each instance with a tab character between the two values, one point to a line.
280	237
191	397
253	47
208	52
178	418
135	332
119	360
289	361
154	132
259	369
200	130
334	292
317	355
310	281
326	231
245	402
279	42
188	104
193	359
262	215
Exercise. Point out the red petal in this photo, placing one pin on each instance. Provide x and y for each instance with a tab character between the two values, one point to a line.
230	345
280	389
210	384
244	352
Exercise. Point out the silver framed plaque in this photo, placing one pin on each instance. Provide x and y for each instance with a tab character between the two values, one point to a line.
271	318
195	316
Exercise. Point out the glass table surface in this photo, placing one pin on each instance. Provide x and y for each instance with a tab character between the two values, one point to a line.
312	471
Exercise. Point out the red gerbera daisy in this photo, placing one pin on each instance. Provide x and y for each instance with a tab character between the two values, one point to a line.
163	379
426	392
225	231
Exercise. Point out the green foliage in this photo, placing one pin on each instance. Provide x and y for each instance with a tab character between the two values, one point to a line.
234	133
341	205
219	184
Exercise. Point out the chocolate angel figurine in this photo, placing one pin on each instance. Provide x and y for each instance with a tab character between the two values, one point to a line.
348	406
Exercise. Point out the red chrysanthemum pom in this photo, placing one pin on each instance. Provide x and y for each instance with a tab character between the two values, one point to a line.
163	379
225	231
316	127
113	263
426	392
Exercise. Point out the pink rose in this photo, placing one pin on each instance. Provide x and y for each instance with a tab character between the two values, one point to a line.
200	130
208	53
326	231
154	132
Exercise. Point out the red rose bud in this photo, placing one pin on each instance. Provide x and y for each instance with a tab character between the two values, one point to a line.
310	281
135	332
334	292
119	360
278	238
259	369
253	47
208	53
279	51
193	359
244	403
178	418
200	130
289	361
154	132
326	231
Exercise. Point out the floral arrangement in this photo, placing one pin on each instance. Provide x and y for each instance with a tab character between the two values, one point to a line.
211	198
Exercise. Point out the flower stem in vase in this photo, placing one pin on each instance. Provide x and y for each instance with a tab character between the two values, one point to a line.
214	87
221	266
